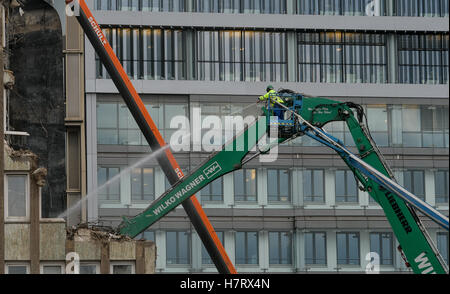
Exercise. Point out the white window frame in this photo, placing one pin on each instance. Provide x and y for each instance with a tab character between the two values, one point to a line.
132	263
8	264
96	264
60	264
27	198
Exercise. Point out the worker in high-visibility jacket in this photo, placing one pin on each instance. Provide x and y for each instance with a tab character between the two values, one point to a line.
273	95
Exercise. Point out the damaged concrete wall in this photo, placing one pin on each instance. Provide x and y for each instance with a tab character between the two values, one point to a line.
37	102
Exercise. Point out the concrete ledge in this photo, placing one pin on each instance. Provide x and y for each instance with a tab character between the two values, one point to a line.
345	90
272	21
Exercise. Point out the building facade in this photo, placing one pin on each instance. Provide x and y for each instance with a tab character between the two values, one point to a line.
303	212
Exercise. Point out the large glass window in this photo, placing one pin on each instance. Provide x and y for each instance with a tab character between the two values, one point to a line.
164	5
142	5
17	269
178	247
313	186
423	59
442	245
428	8
341	7
316	248
240	6
142	184
17	197
414	182
122	268
213	191
250	56
425	126
382	243
346	187
116	125
348	248
245	185
280	248
247	248
377	119
108	183
146	235
278	185
342	57
152	54
441	184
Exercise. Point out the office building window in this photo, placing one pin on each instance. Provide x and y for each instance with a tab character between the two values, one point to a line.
142	184
108	183
206	259
147	235
245	185
313	186
378	123
339	129
280	248
251	56
342	57
442	245
247	248
346	187
89	268
116	125
414	182
382	243
146	53
240	6
341	7
17	197
17	268
279	185
441	184
213	191
425	126
423	59
142	5
178	247
427	8
348	248
316	248
106	4
164	5
122	268
127	5
52	269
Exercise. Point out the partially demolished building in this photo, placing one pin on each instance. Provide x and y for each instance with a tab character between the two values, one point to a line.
40	160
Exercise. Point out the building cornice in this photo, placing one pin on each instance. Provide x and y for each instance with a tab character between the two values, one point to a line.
273	22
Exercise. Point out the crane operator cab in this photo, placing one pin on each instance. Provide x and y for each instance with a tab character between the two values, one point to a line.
283	118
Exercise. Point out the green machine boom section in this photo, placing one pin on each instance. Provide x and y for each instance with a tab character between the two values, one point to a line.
418	249
217	165
414	241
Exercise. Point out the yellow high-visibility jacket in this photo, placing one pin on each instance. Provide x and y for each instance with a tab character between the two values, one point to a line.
273	95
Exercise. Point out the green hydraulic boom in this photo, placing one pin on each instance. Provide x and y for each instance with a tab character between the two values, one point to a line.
419	250
304	114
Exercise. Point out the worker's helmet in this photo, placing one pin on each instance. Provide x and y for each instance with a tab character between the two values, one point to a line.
269	88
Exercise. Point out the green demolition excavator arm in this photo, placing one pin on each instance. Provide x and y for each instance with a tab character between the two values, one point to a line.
418	248
230	158
416	245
